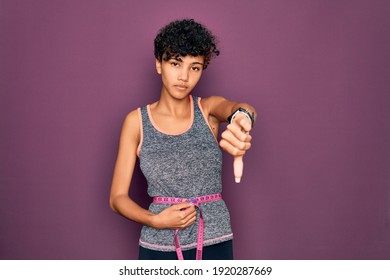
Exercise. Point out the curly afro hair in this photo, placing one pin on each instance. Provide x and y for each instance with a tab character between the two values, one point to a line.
185	37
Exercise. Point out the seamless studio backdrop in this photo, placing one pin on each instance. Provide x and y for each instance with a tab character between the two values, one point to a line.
316	181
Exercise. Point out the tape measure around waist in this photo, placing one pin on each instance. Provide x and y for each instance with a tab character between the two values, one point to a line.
196	201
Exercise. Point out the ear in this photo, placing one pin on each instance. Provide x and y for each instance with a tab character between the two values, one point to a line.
158	66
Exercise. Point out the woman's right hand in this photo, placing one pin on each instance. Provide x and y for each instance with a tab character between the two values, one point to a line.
178	216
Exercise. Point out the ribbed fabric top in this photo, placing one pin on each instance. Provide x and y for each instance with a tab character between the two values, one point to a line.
186	165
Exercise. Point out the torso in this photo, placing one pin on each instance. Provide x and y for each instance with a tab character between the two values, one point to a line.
183	162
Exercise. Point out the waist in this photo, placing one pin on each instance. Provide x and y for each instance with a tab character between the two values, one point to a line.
195	200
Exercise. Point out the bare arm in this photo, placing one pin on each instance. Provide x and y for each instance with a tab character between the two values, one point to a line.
221	108
236	138
120	201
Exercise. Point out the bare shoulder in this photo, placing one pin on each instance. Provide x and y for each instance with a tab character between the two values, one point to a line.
132	117
131	126
211	102
218	107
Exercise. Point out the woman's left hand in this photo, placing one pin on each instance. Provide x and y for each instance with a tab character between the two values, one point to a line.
236	139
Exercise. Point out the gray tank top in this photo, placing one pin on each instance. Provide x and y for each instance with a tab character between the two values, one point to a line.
186	165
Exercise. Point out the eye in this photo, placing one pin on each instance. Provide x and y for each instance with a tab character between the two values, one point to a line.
195	68
174	64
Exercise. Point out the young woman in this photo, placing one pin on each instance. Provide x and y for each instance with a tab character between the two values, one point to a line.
175	140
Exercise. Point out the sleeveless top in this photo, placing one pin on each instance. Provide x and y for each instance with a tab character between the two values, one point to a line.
186	165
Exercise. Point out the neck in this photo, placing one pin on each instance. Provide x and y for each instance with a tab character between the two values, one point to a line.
174	107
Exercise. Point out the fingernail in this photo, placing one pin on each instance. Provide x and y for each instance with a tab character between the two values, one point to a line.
193	201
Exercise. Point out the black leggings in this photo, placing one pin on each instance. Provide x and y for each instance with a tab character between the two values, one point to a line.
221	251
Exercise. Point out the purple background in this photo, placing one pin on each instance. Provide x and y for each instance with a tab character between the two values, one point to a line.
316	182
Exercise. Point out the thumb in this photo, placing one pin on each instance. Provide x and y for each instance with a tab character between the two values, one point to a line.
238	166
244	123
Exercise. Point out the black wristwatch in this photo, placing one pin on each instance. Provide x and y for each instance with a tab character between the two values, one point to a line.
250	116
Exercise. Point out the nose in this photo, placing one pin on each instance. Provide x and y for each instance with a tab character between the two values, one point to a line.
183	75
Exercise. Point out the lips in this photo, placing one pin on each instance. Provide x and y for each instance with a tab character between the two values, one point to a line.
181	87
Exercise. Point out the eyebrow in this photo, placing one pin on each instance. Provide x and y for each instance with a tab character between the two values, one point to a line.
180	60
196	62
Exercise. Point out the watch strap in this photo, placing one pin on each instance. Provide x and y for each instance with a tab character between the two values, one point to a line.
244	111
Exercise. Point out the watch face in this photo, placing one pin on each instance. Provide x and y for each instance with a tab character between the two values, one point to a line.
242	110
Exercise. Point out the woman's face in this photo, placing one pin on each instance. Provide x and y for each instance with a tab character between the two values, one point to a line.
180	74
